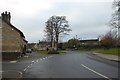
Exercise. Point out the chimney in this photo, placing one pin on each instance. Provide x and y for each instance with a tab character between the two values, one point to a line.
6	16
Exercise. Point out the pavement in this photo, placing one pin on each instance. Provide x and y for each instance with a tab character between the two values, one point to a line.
107	56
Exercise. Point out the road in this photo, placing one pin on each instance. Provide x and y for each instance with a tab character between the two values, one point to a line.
71	64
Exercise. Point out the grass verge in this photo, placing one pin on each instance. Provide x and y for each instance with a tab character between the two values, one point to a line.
87	49
112	51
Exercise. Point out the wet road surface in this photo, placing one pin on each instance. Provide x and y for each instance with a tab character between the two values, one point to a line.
71	64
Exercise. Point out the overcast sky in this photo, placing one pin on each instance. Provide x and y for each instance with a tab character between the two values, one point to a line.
87	18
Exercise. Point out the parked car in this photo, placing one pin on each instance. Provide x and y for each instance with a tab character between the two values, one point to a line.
29	50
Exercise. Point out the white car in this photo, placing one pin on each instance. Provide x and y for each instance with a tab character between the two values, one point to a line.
29	51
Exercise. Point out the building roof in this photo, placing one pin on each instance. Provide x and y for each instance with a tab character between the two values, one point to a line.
21	33
5	16
25	40
31	45
89	40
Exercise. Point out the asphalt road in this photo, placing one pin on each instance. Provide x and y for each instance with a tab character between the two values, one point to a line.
69	65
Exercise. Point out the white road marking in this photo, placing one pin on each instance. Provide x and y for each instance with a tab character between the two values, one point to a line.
40	59
95	72
31	64
13	61
37	60
33	61
28	66
43	58
21	74
25	69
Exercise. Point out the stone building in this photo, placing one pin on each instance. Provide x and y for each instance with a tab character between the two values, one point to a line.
42	45
13	41
89	43
32	46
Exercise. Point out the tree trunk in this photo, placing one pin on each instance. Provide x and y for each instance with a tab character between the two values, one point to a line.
57	42
51	42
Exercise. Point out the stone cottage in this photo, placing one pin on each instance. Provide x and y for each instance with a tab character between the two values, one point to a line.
12	40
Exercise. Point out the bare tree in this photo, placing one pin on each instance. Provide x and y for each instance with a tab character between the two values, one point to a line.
49	32
55	26
115	21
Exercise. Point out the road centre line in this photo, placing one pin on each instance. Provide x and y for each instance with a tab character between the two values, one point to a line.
33	61
28	66
43	58
40	59
96	72
25	69
37	60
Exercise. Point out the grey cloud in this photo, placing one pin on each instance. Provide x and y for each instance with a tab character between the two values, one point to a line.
86	19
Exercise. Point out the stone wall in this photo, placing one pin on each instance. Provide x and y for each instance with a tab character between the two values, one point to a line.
10	55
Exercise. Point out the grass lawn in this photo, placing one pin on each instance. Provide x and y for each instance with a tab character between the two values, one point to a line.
112	51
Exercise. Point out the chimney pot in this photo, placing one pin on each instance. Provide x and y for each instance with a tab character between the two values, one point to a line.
6	16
